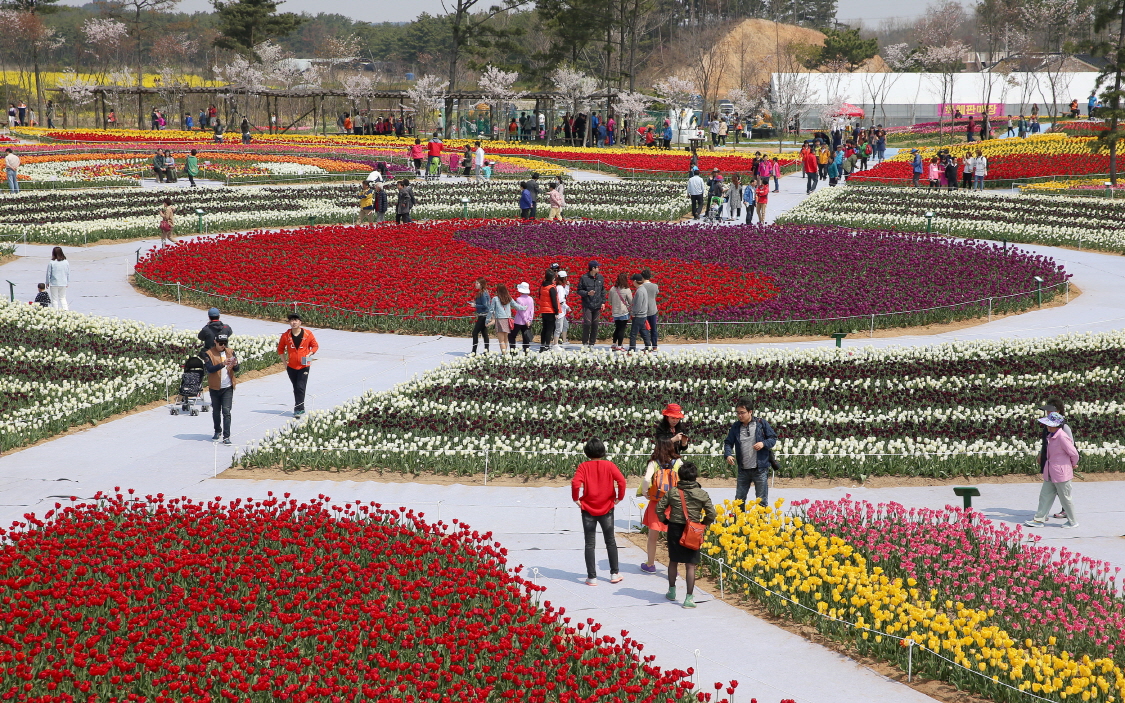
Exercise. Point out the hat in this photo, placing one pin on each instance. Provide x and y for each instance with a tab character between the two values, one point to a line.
561	274
554	267
1053	420
673	410
593	265
1048	408
714	169
638	277
221	339
524	288
213	313
913	151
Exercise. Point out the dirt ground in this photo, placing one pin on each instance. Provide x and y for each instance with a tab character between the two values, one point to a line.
938	690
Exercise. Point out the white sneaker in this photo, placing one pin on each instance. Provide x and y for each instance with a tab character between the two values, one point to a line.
1034	523
1068	524
591	582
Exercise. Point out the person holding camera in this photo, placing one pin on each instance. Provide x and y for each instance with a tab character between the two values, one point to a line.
221	365
748	446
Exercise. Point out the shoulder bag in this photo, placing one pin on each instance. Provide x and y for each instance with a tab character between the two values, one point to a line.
692	538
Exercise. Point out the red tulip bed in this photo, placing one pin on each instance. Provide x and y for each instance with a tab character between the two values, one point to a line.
170	600
658	163
1002	170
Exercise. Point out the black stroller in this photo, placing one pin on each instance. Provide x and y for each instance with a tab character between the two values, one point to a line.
191	389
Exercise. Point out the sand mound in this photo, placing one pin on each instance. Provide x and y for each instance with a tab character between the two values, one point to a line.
750	50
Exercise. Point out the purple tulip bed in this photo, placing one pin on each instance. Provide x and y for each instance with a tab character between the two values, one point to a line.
830	279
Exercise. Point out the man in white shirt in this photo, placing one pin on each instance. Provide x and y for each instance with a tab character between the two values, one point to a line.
695	188
12	167
478	161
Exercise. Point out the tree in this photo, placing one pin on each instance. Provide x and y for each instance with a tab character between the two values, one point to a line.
677	94
244	24
468	26
575	88
844	45
140	12
899	58
1050	21
428	94
945	62
77	90
790	94
706	62
103	37
36	34
497	88
1109	16
632	105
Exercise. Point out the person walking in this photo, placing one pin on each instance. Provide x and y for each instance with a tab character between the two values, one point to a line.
556	200
405	202
548	306
167	216
775	173
970	165
379	202
501	311
366	203
297	345
660	477
562	323
734	197
687	503
917	167
191	167
761	199
695	190
747	447
639	314
1052	405
416	152
525	203
591	290
651	315
621	301
433	151
12	170
1061	459
478	161
58	278
523	317
481	303
811	168
596	488
213	329
221	365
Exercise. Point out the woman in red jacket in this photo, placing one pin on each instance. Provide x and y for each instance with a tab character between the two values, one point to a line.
598	486
548	306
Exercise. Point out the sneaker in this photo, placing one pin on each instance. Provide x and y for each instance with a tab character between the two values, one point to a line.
671	594
1033	523
648	568
689	601
1070	524
298	413
1060	515
226	440
591	582
217	437
616	578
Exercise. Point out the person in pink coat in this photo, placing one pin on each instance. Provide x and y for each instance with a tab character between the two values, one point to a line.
1058	472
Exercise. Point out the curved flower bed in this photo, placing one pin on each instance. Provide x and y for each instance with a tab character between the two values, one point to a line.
1090	223
982	610
764	280
173	600
956	409
64	369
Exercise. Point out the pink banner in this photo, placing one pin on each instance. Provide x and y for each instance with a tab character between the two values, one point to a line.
971	109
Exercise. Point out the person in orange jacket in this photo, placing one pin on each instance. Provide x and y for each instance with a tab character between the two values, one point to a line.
297	345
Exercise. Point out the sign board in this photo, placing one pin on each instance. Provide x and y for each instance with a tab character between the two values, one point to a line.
694	134
971	109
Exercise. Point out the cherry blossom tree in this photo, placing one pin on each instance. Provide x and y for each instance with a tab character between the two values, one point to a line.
428	95
677	93
497	86
632	105
576	89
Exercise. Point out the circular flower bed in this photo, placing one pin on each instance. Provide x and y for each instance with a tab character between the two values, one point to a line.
171	600
786	279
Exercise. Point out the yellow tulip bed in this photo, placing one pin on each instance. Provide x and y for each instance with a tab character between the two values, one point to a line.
873	578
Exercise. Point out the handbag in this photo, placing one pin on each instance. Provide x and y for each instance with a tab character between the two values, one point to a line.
692	538
165	226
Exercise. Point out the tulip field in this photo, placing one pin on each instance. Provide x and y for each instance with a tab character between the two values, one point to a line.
266	600
79	217
963	408
745	280
951	595
1085	223
66	369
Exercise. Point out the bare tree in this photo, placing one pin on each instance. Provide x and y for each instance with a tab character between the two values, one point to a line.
137	12
706	61
879	85
467	23
791	93
945	63
575	88
497	86
77	90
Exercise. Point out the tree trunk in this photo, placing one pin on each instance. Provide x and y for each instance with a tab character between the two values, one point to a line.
38	85
1116	101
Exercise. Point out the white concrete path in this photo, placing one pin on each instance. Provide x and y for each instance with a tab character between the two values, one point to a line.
156	452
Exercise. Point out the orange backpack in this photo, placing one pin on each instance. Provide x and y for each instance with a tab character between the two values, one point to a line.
664	479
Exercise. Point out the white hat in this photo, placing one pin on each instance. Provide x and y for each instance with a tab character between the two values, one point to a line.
561	274
524	288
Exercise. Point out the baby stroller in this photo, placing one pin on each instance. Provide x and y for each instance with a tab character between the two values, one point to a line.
715	209
191	389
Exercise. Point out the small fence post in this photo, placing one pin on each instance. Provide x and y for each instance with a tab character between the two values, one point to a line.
872	332
722	587
486	466
990	309
177	291
909	660
1068	291
12	291
707	331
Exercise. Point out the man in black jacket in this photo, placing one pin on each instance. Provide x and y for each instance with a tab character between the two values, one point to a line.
591	288
747	447
213	329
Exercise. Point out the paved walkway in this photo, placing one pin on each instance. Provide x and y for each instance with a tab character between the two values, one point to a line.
156	452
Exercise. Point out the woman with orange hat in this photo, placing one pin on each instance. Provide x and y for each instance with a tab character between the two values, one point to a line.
672	428
660	477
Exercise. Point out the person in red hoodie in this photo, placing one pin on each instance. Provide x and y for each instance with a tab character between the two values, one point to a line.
597	486
811	168
297	345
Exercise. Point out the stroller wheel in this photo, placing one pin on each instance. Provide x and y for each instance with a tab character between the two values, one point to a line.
206	408
194	412
172	411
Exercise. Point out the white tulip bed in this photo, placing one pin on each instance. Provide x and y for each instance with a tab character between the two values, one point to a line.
963	408
65	369
1086	223
79	217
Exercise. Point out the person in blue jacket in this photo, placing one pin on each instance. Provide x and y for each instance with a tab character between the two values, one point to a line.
667	135
917	166
747	447
526	203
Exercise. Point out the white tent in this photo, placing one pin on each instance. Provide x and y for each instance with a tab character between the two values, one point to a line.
906	98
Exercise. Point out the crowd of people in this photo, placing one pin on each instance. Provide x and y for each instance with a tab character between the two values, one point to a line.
833	157
713	197
631	301
941	172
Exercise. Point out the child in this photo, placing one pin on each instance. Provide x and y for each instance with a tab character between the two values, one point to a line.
935	172
762	196
597	486
43	298
486	170
688	502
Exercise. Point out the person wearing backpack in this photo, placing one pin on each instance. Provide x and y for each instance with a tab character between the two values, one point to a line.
596	488
686	503
660	477
747	447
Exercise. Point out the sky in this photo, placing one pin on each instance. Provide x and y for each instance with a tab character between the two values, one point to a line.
871	11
